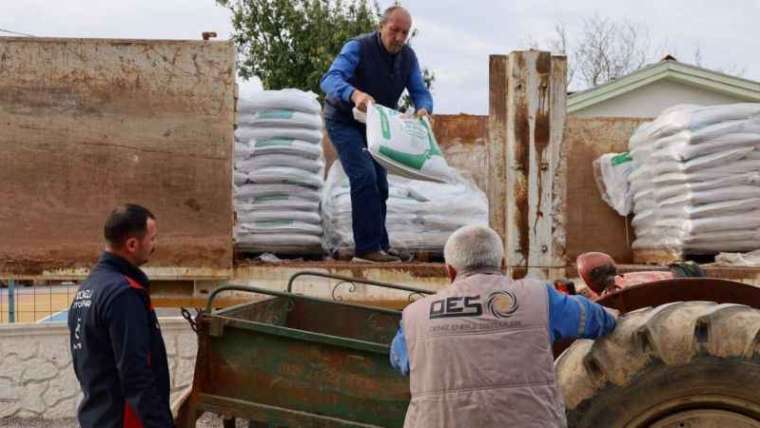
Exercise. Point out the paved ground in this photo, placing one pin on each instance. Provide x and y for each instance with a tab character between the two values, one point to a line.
207	421
37	423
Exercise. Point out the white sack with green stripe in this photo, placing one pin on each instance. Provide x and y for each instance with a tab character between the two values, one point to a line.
405	146
282	118
611	173
260	133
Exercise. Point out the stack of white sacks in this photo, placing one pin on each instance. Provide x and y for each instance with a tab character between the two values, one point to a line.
421	214
696	185
279	170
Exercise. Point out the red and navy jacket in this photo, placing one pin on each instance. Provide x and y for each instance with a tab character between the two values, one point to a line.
118	352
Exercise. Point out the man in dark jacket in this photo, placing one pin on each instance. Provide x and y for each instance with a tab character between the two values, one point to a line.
118	352
374	67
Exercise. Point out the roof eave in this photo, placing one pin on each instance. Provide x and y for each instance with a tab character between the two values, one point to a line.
693	76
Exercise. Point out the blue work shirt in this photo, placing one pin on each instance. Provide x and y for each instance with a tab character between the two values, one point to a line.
335	82
569	317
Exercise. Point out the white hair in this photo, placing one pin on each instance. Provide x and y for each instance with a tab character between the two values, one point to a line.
388	13
474	247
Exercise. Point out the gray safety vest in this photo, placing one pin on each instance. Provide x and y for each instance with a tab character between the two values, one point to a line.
480	356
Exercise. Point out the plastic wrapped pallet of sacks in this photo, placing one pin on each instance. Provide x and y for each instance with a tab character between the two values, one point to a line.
279	170
421	214
696	183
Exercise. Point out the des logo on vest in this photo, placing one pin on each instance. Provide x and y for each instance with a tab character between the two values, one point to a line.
501	304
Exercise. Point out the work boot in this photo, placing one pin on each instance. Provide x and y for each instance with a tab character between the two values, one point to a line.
402	255
376	257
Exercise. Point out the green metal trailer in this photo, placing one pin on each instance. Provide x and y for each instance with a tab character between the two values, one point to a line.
298	361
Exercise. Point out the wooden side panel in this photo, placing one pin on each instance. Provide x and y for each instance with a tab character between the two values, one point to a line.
86	124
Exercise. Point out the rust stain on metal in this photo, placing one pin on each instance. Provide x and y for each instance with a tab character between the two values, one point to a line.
358	270
543	63
521	153
193	204
542	129
521	196
464	140
558	103
497	162
462	128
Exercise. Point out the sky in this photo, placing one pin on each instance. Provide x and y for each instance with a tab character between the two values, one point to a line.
455	37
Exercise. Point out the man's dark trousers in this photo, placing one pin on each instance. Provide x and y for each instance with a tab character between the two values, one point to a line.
369	185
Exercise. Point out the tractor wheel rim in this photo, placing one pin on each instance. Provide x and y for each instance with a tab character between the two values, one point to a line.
707	418
685	412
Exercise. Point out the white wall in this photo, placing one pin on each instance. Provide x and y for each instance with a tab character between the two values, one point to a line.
650	100
37	378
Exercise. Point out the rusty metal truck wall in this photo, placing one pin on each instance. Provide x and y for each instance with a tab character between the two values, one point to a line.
89	123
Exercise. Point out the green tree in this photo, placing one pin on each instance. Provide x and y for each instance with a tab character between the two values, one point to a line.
291	43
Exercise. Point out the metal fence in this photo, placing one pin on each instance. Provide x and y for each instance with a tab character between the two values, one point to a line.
32	303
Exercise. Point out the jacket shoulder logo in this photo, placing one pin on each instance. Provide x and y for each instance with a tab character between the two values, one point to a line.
502	304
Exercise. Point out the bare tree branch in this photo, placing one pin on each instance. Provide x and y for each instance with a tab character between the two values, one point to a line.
602	49
698	55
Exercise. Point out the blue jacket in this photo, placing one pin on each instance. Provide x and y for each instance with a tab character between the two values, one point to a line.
118	351
569	317
364	64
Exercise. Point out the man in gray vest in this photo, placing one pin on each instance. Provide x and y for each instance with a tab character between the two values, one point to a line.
479	352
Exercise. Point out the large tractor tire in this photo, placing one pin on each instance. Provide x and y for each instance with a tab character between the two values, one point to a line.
683	364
